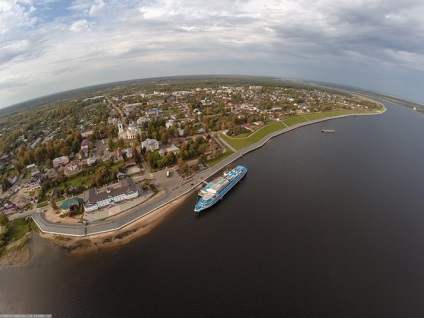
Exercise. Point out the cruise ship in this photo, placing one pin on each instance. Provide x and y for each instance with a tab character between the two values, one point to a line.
216	189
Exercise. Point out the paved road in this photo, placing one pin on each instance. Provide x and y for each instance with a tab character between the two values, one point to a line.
175	187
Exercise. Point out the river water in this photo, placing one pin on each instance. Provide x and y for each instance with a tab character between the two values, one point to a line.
323	225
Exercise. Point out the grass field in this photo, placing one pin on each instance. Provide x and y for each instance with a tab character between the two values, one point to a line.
314	116
213	162
294	120
240	142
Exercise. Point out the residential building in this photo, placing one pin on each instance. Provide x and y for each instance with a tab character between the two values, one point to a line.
60	161
91	161
174	149
71	167
150	144
94	200
84	146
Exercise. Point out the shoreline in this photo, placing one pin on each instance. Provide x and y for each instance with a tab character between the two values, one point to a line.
97	242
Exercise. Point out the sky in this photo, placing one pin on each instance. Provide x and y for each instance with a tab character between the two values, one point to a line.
49	46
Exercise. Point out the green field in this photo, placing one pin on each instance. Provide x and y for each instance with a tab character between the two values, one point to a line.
238	143
350	112
314	116
214	161
294	120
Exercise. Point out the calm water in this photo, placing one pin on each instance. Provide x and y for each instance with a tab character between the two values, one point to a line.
323	225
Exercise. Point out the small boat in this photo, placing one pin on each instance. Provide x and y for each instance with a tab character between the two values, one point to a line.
328	131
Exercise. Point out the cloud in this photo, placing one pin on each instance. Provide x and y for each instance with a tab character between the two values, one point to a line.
81	25
46	45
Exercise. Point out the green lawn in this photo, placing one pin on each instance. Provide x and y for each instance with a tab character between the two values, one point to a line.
243	135
214	161
294	120
18	228
238	143
314	116
350	111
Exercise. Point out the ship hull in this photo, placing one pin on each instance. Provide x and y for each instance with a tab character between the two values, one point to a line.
205	204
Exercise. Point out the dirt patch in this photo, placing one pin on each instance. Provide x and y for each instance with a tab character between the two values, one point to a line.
17	255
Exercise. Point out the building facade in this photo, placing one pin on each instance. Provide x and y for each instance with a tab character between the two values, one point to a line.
94	200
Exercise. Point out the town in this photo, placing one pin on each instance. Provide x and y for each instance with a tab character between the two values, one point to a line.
80	155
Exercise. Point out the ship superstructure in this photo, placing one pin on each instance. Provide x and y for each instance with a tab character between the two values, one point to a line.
215	190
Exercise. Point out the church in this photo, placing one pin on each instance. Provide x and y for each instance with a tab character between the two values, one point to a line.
130	132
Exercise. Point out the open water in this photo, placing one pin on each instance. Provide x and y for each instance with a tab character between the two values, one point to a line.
323	225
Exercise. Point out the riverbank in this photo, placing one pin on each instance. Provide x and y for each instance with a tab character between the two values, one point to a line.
97	242
17	253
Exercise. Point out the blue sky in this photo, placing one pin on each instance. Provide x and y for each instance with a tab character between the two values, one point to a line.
49	46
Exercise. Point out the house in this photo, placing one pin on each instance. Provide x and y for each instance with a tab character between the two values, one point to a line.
51	173
86	133
128	152
12	179
71	167
130	163
84	146
155	112
174	149
169	123
118	155
91	161
94	200
150	144
142	120
247	127
8	208
35	171
60	161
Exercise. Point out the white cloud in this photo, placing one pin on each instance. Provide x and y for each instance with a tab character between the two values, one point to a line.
80	25
96	7
103	41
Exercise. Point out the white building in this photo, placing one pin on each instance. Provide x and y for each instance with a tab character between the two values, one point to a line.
130	132
150	144
94	200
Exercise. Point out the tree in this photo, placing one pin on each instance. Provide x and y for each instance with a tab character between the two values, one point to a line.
64	151
136	155
53	204
121	143
110	143
3	218
164	138
202	159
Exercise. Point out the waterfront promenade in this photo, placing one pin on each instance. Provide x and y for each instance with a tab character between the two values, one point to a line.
179	188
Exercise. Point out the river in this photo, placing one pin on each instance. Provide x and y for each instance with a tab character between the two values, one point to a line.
323	225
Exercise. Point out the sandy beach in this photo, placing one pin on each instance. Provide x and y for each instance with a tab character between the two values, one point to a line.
110	239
